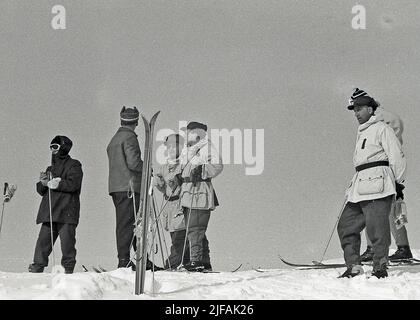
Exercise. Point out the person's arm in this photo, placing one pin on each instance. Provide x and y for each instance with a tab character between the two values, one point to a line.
41	186
133	154
393	150
213	166
159	181
73	181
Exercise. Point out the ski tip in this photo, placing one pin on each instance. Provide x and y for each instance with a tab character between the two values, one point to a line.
240	266
84	268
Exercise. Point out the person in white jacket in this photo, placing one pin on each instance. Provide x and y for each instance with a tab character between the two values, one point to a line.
201	163
400	235
380	167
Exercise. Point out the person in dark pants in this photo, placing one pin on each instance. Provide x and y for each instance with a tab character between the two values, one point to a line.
168	183
201	163
65	185
125	171
380	167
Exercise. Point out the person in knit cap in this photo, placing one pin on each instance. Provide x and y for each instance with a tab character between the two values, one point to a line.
399	234
200	163
124	180
64	180
380	167
167	182
125	170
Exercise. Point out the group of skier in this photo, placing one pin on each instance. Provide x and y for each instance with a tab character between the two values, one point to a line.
185	181
375	189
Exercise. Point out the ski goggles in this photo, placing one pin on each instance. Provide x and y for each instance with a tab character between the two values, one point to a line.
55	147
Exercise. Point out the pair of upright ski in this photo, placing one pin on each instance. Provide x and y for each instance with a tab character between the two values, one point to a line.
141	223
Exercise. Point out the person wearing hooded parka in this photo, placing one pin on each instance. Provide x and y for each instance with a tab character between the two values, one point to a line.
60	187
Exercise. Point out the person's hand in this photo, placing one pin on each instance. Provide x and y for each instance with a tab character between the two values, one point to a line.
160	182
399	189
195	174
53	183
43	178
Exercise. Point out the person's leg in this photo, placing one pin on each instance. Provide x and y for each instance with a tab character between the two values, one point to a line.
351	223
124	226
175	257
401	240
196	232
368	254
206	253
43	246
399	235
67	234
377	224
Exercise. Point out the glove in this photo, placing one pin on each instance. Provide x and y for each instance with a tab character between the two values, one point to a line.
175	181
53	183
160	182
43	178
399	189
195	174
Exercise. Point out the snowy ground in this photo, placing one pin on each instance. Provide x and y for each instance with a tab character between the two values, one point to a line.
403	283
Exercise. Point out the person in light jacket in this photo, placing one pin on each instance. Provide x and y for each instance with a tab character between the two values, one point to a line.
400	235
167	182
380	167
200	164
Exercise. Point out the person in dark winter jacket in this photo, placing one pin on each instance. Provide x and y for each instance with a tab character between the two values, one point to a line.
125	171
64	181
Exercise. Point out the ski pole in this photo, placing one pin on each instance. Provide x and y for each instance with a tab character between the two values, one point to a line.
164	240
4	200
186	230
157	226
51	222
332	232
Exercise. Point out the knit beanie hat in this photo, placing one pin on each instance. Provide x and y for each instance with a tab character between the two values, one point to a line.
129	115
361	98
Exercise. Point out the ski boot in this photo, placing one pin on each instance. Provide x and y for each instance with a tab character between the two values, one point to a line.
151	266
367	255
402	253
352	271
207	266
68	270
195	266
35	268
126	263
380	272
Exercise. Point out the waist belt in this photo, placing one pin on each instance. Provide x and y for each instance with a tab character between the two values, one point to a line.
188	180
173	198
371	165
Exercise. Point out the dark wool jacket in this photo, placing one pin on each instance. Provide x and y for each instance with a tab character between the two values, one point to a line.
65	200
125	161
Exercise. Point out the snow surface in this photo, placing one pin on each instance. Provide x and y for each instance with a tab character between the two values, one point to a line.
403	283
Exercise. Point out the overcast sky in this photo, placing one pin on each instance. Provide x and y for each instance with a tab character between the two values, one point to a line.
287	67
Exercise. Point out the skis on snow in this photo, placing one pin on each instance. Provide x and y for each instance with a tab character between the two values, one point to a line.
321	265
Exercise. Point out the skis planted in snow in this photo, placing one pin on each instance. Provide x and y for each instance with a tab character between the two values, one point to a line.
142	216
